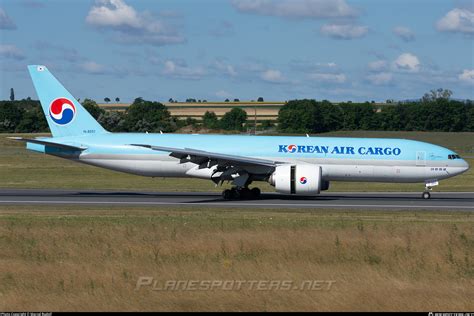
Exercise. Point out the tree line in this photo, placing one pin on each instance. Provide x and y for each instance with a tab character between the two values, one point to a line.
428	114
297	116
26	116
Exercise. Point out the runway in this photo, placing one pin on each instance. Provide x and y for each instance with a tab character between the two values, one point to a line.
339	200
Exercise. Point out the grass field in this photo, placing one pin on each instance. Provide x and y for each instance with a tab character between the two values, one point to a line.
69	258
65	258
20	168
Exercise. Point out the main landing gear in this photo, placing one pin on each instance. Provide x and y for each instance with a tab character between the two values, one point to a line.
241	193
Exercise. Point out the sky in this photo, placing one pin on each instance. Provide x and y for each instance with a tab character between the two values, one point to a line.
280	50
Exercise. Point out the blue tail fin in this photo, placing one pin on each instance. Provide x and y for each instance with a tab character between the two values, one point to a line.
65	115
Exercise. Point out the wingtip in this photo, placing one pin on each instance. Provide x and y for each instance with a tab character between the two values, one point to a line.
141	145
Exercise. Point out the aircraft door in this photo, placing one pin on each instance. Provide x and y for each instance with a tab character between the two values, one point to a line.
421	158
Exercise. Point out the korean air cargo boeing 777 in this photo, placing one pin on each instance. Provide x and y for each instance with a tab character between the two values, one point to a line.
293	165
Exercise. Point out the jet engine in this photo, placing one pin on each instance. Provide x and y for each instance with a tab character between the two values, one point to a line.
298	179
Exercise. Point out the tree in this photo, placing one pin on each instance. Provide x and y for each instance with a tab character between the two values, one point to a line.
434	95
33	119
267	124
260	99
359	116
117	99
107	100
236	100
92	107
305	116
234	119
10	117
191	121
470	116
113	121
170	100
12	94
209	120
148	116
226	100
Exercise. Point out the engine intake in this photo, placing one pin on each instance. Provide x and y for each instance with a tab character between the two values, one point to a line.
298	179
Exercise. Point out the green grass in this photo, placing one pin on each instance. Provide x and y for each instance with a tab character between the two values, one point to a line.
90	258
20	168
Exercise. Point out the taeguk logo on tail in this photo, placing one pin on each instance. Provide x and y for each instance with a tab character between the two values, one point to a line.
303	180
62	111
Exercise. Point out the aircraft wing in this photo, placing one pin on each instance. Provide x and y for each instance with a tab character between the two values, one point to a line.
48	143
206	159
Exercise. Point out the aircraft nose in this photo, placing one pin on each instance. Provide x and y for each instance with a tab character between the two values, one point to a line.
465	166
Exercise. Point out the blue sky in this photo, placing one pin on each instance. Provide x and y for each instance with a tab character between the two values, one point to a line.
287	49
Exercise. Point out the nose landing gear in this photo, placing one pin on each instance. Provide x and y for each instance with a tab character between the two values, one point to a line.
242	193
426	195
428	187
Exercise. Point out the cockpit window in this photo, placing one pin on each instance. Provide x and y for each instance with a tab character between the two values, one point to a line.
454	157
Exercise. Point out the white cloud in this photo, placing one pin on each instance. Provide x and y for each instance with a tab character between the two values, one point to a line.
457	20
271	75
467	76
130	25
93	68
113	13
328	77
404	33
378	65
223	94
382	78
297	8
182	71
407	62
117	70
5	22
344	31
11	51
330	64
224	67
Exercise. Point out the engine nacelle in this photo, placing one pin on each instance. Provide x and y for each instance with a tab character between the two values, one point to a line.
298	179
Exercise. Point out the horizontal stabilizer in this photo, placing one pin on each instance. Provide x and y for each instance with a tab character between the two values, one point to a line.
47	143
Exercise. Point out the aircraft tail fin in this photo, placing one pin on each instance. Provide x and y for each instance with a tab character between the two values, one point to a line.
64	114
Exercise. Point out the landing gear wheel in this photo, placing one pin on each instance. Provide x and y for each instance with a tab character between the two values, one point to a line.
245	194
255	193
426	195
241	193
235	194
227	194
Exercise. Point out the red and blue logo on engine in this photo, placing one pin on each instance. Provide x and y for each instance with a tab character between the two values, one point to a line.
303	180
62	111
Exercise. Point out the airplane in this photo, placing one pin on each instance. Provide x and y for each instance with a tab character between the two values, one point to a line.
294	165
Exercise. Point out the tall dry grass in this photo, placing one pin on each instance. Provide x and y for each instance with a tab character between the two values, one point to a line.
91	260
